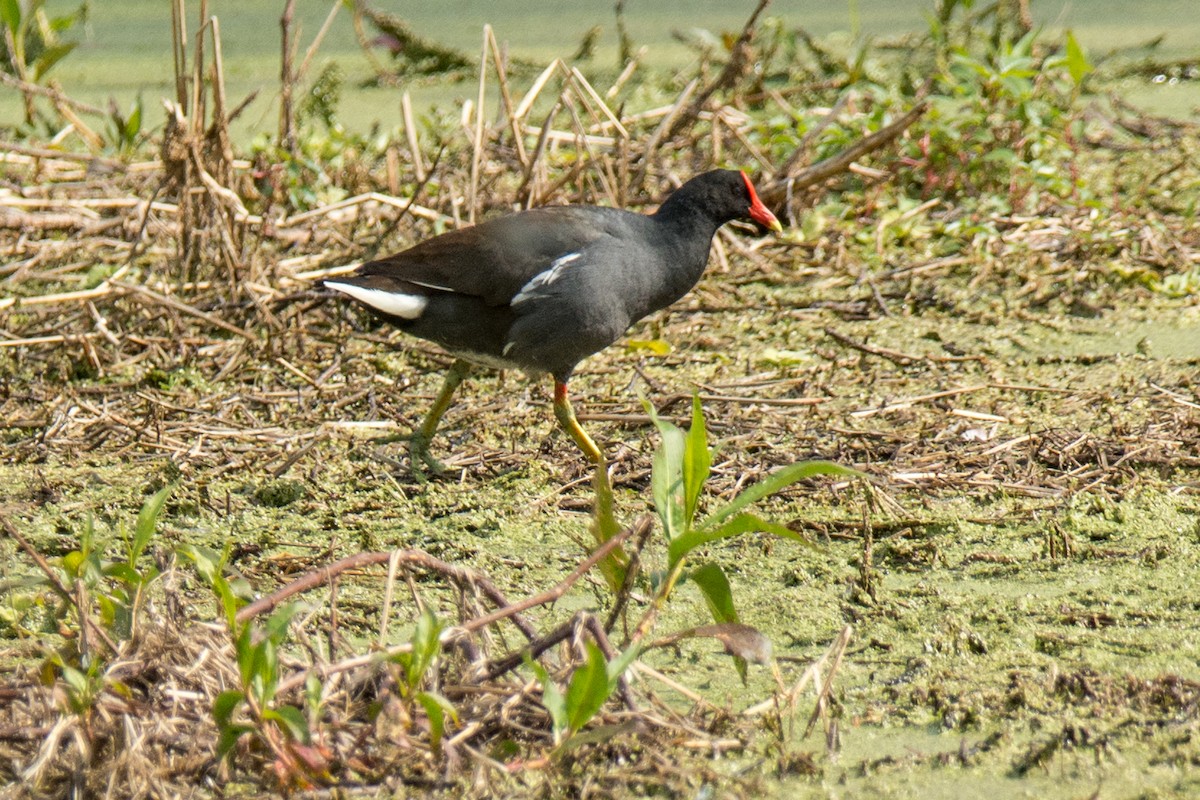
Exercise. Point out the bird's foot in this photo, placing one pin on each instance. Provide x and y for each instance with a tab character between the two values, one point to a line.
421	459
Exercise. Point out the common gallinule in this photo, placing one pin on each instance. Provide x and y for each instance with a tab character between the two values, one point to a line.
543	289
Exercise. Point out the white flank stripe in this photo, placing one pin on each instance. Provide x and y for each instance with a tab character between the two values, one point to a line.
433	286
543	279
398	304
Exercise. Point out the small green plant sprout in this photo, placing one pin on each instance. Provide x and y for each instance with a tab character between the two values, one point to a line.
105	598
33	41
125	130
590	686
682	465
118	587
283	729
412	671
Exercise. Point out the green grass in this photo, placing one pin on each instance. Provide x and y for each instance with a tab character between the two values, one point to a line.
127	47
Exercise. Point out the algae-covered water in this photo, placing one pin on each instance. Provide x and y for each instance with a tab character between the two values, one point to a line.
1024	619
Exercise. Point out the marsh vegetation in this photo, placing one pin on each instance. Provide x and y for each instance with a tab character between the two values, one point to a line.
222	578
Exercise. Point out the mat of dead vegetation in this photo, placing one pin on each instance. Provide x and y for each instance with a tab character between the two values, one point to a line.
1008	605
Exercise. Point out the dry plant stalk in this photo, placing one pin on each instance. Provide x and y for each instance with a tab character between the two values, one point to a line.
198	163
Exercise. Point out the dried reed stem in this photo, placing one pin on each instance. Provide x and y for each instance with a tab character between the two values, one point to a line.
287	80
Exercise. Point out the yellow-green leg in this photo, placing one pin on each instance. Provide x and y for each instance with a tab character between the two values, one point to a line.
418	443
606	524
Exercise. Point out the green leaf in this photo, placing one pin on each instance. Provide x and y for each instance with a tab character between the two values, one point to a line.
224	706
588	689
742	523
697	462
1077	61
51	56
73	563
617	667
133	125
658	347
147	522
293	721
65	22
1024	46
666	475
245	649
76	680
780	479
276	625
123	573
229	737
425	646
717	592
209	564
264	671
89	536
229	602
10	14
552	698
436	708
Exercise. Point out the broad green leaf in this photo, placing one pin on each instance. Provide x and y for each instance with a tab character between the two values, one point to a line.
436	708
773	483
1001	155
76	680
229	737
1024	46
229	602
88	537
293	720
1077	61
10	14
785	358
276	626
51	56
244	650
717	592
67	21
659	347
107	610
697	462
976	66
588	689
265	668
123	572
147	522
426	645
73	563
208	561
133	125
742	523
224	706
666	475
617	667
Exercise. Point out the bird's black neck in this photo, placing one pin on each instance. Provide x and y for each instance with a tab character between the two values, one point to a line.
686	237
